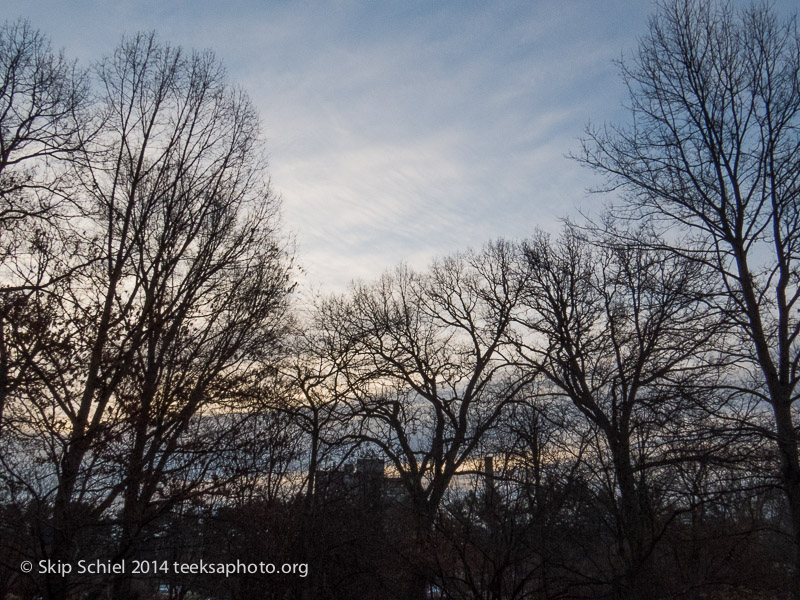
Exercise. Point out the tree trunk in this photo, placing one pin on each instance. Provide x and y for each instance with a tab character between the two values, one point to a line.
633	584
63	522
790	478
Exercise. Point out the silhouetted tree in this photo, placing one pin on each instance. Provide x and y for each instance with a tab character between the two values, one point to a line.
714	151
43	117
621	331
175	293
426	379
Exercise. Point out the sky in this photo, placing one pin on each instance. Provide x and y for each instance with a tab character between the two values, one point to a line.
398	131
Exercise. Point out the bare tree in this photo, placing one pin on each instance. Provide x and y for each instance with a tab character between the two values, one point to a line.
622	333
422	354
714	150
44	110
512	531
312	393
43	116
426	379
177	294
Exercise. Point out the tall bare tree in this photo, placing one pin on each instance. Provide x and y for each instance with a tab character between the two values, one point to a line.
178	289
426	377
713	149
422	354
623	333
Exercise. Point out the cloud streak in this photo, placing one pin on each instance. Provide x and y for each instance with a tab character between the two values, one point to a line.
399	131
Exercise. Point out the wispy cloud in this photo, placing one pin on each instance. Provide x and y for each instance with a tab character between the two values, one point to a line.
399	131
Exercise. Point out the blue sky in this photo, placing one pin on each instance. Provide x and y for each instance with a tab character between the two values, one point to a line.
398	131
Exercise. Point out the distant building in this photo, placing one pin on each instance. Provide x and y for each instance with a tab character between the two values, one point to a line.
362	483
